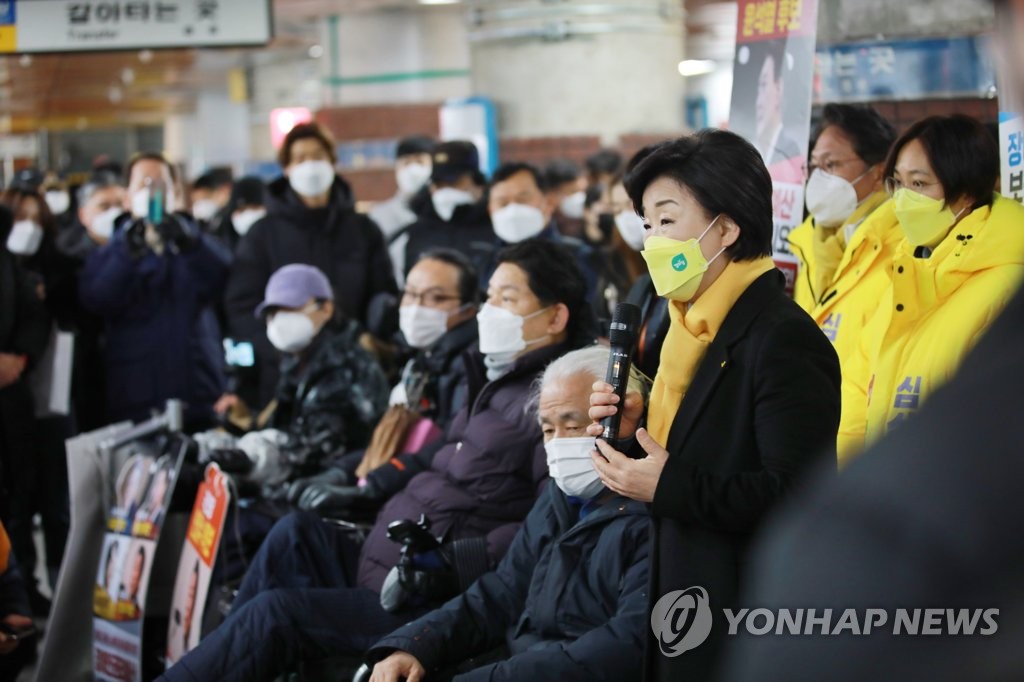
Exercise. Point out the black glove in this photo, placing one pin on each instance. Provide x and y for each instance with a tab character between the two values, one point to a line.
435	576
178	232
333	476
328	499
135	238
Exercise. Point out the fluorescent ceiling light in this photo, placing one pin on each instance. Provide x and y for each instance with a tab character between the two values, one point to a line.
696	67
439	2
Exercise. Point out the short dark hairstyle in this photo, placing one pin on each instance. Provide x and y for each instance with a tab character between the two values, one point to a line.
214	178
604	161
415	144
469	279
725	175
962	153
305	131
96	182
507	170
14	197
149	156
871	135
561	171
555	277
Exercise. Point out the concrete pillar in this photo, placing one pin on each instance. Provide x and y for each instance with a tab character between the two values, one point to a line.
580	67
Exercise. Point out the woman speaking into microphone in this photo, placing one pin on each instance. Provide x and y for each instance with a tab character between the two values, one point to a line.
746	398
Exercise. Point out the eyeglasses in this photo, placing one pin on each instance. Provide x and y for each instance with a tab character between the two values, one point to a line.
428	298
892	185
830	165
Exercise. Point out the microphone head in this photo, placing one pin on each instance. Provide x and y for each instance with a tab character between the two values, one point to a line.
625	325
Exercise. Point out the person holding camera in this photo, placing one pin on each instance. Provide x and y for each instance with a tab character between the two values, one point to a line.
155	283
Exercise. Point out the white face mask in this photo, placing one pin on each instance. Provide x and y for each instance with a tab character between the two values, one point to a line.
204	209
411	178
517	222
830	199
290	331
572	206
447	199
311	178
571	467
501	331
25	238
631	228
103	224
422	326
58	200
243	220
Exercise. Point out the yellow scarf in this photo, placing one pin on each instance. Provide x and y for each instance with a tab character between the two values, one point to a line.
5	549
689	335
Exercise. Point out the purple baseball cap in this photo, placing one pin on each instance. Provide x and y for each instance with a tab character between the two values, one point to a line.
292	286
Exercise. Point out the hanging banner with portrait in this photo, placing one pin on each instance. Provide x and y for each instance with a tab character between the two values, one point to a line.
771	103
143	493
195	567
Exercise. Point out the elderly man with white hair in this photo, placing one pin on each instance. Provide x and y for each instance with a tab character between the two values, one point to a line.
568	599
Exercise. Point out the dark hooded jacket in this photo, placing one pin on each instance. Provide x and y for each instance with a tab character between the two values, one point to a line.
345	245
569	600
469	231
479	480
331	396
162	336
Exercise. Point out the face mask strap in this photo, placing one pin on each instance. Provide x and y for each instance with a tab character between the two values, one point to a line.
708	228
861	176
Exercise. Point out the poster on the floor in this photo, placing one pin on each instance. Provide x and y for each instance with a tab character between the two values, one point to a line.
771	103
142	494
192	583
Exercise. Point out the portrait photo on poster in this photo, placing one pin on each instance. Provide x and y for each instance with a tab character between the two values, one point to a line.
150	515
134	580
132	483
108	578
190	592
772	82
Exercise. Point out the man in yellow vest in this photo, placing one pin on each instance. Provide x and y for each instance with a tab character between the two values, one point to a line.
844	249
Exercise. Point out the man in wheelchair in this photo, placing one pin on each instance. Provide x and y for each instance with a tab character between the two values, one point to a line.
313	592
568	600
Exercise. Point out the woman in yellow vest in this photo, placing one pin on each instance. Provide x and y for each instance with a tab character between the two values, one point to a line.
843	190
746	398
960	260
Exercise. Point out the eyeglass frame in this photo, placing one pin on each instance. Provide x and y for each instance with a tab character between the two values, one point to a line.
420	298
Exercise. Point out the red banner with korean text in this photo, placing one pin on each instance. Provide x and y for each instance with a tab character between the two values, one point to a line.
192	584
773	75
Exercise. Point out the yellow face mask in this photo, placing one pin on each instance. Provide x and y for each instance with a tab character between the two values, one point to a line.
677	267
925	221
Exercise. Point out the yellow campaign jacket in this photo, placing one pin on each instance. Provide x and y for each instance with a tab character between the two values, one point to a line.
820	250
863	275
928	318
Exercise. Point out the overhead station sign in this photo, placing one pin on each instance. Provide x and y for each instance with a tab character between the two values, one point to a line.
28	26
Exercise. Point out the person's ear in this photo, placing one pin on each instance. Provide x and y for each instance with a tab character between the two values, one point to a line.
729	230
560	321
876	175
328	309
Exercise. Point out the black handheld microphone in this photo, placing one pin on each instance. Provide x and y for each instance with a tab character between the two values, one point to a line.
622	337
